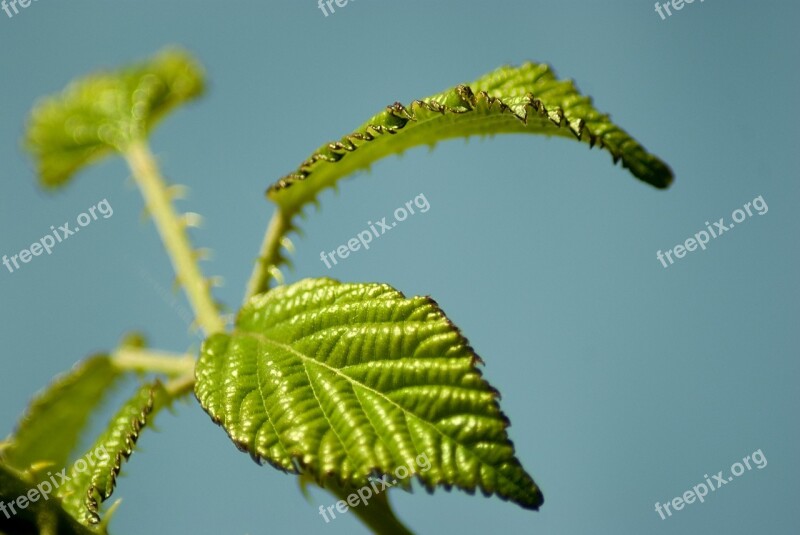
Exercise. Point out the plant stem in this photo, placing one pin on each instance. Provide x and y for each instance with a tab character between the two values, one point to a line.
377	514
173	235
180	386
179	367
144	360
270	255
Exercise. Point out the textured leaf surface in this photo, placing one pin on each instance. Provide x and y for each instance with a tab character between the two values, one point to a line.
525	99
51	426
45	517
93	482
353	380
104	112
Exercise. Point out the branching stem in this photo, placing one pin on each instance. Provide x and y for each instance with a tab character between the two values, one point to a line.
146	361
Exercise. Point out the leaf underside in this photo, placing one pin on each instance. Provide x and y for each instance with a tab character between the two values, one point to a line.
93	484
53	422
104	112
355	380
525	99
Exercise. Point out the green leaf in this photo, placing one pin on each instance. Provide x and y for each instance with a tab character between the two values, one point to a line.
51	427
92	482
353	380
104	112
43	517
525	99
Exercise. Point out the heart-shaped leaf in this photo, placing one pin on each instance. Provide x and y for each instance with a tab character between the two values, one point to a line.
354	380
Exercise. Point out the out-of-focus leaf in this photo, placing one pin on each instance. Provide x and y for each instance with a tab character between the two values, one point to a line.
101	113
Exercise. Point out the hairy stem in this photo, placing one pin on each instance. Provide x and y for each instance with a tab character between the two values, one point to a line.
270	255
173	235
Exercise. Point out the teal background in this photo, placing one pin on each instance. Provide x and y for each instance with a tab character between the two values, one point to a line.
625	382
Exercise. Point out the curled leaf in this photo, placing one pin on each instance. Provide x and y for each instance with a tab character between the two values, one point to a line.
92	478
526	99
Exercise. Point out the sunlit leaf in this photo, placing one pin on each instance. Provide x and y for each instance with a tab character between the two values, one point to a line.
526	99
353	380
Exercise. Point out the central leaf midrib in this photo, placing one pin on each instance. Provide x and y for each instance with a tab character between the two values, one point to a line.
304	358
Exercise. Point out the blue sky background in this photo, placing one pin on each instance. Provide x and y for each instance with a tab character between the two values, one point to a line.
625	382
